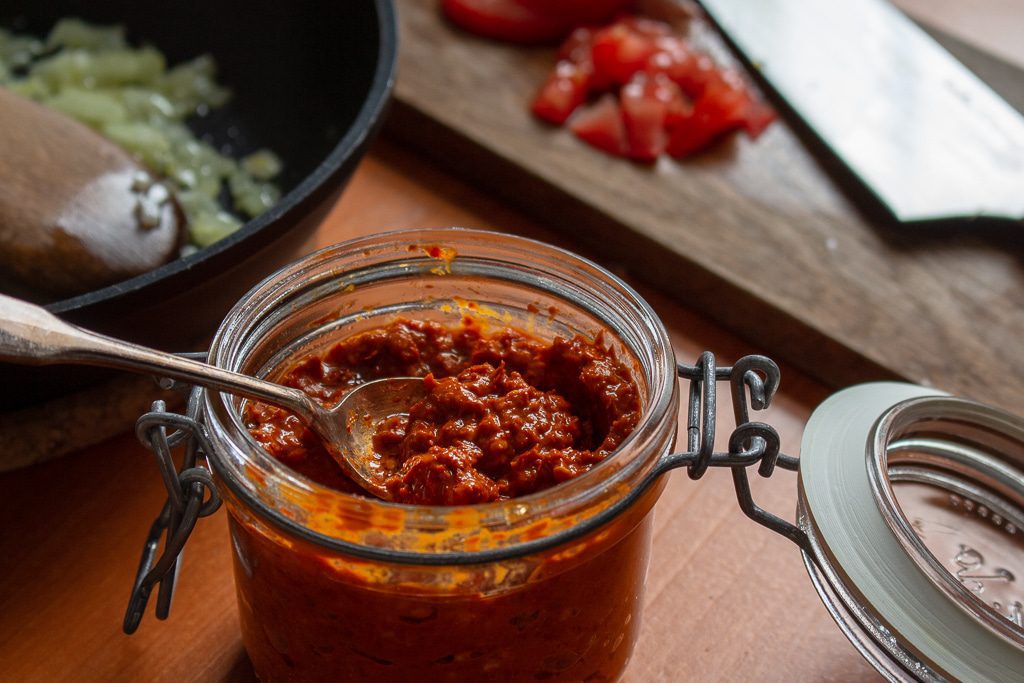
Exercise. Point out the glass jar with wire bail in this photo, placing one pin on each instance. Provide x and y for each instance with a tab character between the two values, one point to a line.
335	585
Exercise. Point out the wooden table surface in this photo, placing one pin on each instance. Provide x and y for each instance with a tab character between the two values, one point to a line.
726	599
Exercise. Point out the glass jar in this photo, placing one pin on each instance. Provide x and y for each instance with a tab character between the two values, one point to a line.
336	586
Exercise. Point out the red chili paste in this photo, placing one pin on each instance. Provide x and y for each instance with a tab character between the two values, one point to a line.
310	615
506	414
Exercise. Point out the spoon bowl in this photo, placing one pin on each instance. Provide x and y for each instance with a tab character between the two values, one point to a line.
29	334
362	410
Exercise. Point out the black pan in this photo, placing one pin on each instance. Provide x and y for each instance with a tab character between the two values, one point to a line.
310	80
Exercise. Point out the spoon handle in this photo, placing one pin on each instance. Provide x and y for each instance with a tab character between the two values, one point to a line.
30	334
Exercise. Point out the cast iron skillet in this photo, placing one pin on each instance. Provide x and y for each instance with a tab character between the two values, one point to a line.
310	81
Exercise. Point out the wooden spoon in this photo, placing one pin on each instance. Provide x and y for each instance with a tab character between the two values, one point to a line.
76	211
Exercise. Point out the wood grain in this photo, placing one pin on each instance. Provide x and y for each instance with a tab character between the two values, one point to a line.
763	236
726	599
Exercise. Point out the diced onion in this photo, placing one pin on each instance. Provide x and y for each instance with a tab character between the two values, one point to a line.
129	95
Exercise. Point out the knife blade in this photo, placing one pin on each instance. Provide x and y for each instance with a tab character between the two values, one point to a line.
928	138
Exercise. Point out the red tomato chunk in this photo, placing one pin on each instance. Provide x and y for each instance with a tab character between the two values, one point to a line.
601	125
505	20
654	93
564	90
529	21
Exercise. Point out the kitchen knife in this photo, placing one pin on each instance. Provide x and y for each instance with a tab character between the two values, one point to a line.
929	139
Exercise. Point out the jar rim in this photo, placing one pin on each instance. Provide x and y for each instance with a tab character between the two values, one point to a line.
610	478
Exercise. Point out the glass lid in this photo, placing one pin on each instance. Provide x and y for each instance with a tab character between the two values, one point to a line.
913	504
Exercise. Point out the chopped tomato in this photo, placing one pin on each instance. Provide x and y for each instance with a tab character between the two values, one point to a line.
660	94
601	125
720	109
581	11
564	90
752	114
511	20
674	58
650	104
530	21
578	49
757	118
619	52
695	75
577	46
649	28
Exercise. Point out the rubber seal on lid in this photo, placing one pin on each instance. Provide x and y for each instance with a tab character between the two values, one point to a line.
947	477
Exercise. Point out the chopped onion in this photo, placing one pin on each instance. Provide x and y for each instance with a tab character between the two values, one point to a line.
129	95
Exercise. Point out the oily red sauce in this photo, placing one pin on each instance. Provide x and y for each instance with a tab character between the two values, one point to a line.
576	619
506	414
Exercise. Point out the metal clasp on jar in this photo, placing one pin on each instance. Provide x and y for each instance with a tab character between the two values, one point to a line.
191	494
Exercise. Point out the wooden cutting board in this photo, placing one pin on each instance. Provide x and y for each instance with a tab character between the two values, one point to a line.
764	236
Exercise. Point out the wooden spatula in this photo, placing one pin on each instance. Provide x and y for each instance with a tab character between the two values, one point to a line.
76	211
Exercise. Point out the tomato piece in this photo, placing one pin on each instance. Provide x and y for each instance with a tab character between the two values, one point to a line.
673	98
578	45
759	115
578	49
581	11
673	57
564	90
651	103
680	108
619	52
601	125
693	71
511	20
720	109
644	118
753	114
648	28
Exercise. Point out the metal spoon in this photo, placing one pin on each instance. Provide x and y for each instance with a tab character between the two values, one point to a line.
29	334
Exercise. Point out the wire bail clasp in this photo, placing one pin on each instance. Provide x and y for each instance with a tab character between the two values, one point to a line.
751	443
191	494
